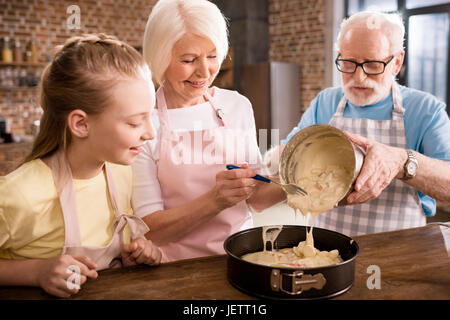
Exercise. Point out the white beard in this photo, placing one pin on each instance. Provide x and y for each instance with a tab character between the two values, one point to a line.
380	91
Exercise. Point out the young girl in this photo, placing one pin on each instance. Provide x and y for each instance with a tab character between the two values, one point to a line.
63	210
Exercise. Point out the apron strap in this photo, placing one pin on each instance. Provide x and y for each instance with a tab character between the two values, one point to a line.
111	189
218	111
341	107
62	176
138	227
398	112
162	109
163	115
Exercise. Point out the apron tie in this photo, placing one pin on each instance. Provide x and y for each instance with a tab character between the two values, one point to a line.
137	227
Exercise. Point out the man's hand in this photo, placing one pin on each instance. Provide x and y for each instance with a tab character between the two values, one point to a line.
381	165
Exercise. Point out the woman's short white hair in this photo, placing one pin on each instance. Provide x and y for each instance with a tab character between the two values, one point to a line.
170	20
390	24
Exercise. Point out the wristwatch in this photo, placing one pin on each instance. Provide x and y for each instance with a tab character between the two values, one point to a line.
410	167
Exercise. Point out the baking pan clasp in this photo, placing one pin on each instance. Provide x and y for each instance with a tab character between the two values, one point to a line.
298	283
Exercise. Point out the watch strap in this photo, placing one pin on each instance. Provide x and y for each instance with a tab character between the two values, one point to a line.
411	158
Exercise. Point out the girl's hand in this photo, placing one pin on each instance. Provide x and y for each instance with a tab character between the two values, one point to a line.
53	274
141	251
233	186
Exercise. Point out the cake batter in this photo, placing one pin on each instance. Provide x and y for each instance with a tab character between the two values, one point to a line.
324	169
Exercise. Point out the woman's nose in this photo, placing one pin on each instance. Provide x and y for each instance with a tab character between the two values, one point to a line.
203	69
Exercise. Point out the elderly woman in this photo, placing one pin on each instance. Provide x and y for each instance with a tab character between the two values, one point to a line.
181	187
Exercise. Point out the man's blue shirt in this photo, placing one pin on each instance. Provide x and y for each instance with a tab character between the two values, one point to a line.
427	125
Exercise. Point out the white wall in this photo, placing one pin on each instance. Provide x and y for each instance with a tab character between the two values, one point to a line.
334	14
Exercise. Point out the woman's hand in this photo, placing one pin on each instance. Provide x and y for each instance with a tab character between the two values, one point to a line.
381	165
271	161
233	186
56	275
140	251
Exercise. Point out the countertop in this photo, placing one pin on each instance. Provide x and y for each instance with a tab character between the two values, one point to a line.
413	264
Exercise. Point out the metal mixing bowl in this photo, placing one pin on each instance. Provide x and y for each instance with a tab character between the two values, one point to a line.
307	137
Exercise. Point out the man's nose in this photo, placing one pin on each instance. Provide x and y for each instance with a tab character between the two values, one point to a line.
359	74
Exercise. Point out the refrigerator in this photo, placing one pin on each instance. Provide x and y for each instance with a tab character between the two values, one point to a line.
273	88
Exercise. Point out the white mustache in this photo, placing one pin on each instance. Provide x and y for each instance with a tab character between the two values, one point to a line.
367	83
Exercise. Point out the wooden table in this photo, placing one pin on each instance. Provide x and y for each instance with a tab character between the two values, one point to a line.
414	264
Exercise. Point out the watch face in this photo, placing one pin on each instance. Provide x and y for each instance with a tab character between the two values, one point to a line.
411	168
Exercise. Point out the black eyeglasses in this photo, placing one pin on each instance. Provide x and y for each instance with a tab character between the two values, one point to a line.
369	67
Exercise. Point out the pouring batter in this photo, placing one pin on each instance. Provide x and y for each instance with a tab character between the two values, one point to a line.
324	170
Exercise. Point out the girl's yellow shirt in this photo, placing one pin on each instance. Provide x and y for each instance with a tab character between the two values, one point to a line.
31	220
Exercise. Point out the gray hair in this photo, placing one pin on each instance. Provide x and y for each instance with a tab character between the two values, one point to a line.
390	24
170	20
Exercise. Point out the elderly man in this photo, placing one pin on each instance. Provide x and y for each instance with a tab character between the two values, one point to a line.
405	132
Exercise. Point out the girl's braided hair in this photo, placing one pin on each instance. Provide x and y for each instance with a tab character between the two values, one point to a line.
81	76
